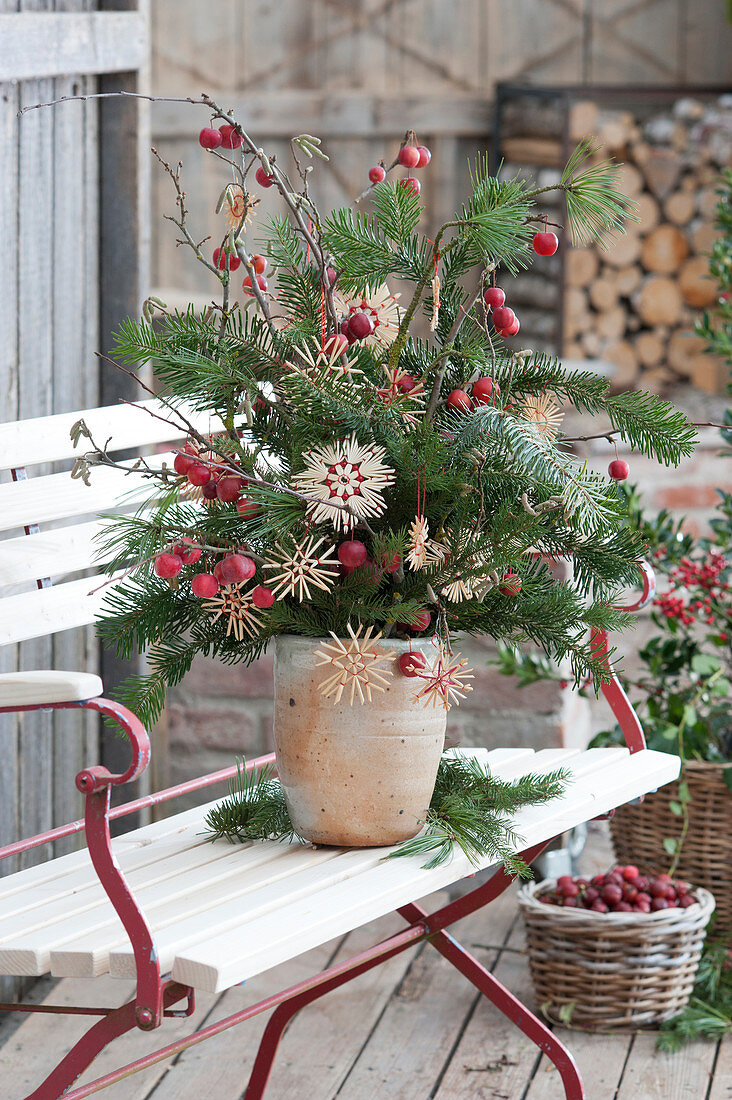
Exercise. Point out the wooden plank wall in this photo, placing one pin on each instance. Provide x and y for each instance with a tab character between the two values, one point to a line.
358	72
50	305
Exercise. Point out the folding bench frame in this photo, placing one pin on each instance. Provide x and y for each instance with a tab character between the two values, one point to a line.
156	995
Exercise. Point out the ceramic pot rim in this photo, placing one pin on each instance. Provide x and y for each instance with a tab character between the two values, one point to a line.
303	641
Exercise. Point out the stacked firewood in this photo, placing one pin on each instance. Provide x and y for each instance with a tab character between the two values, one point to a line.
634	304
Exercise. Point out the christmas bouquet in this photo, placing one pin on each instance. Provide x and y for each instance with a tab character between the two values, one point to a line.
385	463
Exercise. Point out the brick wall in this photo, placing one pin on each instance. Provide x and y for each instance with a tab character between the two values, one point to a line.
220	711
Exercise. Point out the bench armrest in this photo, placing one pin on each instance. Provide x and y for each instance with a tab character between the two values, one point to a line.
28	689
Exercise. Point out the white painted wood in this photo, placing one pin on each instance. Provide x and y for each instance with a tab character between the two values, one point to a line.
49	553
223	960
45	44
22	689
45	610
58	496
47	438
221	914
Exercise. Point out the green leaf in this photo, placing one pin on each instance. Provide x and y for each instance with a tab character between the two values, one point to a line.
684	795
727	776
676	808
566	1012
704	664
670	845
689	715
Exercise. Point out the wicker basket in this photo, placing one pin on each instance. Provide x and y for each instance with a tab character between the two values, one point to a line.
612	970
638	833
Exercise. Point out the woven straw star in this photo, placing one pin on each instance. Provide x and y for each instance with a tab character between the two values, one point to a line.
458	590
543	413
319	363
355	665
444	683
235	203
344	472
423	551
235	605
303	568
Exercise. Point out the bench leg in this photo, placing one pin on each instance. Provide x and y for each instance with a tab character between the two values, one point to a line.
506	1003
118	1022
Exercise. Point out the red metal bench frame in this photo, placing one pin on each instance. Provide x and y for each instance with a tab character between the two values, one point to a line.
156	995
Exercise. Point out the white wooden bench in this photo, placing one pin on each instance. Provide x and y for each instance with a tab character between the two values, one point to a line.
162	904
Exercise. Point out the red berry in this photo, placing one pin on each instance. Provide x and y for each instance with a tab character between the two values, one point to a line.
618	469
352	553
204	585
209	137
406	383
623	907
510	585
182	463
657	889
659	903
377	173
411	184
565	880
670	894
198	474
259	263
485	391
167	566
230	137
410	664
187	551
262	597
391	565
229	488
262	178
494	297
425	156
612	893
598	906
234	568
643	906
459	400
408	156
330	273
630	873
545	244
247	507
225	261
511	330
360	325
503	317
208	491
336	344
570	901
686	901
346	331
261	283
421	621
591	894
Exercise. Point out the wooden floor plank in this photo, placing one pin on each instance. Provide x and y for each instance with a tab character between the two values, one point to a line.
722	1084
654	1075
600	1059
413	1040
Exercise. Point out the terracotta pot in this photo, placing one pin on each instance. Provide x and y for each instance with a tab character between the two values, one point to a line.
360	775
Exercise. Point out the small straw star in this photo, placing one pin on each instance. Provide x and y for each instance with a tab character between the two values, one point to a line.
444	682
236	606
423	551
319	363
543	413
355	664
302	568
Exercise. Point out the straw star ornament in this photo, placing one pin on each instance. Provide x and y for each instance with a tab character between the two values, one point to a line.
318	363
304	568
237	608
444	683
354	665
544	414
423	551
384	308
344	472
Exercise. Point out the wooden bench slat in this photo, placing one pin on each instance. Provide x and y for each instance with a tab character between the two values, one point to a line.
222	960
20	689
58	496
47	610
46	438
221	914
49	554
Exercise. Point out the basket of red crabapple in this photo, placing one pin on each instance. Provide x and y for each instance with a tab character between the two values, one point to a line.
619	950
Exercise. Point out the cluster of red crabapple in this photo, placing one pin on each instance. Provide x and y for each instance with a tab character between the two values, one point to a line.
621	890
